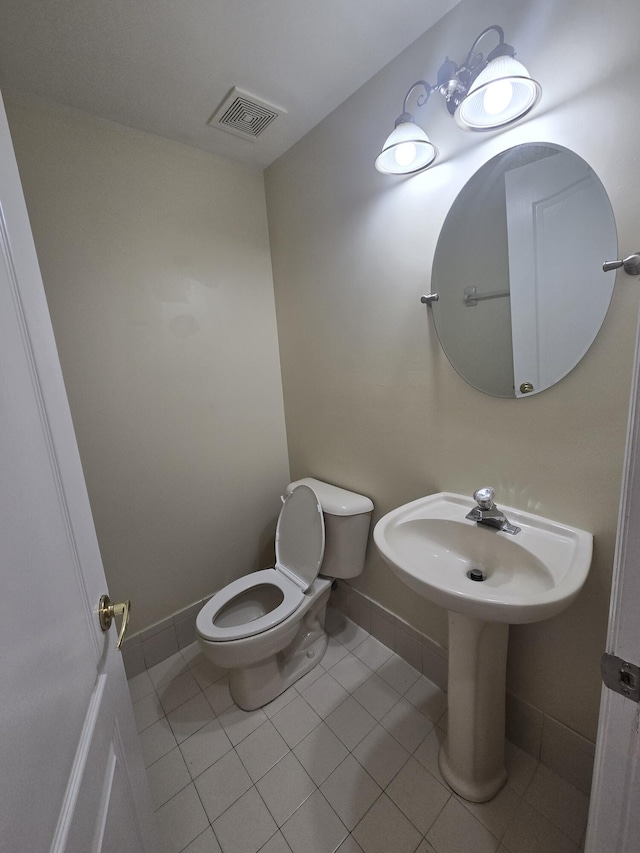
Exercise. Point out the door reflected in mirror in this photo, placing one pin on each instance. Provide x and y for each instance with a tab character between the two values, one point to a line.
518	270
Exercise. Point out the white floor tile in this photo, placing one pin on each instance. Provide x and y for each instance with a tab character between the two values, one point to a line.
381	755
204	748
189	717
530	832
276	844
429	750
425	847
565	806
376	696
388	799
295	721
320	753
496	815
407	724
245	826
350	635
219	696
418	795
156	740
181	819
283	699
140	686
178	691
350	672
350	722
520	766
350	845
205	843
222	784
325	694
192	654
262	750
313	675
314	827
167	776
427	698
285	787
372	652
398	673
335	652
206	673
385	828
350	791
147	711
455	826
238	724
167	669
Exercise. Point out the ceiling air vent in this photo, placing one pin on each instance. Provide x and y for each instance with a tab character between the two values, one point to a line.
244	115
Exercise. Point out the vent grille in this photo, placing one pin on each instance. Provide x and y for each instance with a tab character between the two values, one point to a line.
244	115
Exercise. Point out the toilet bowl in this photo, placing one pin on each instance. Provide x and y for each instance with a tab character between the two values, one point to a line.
268	627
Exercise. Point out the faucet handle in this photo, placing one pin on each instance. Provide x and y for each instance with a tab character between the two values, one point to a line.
484	497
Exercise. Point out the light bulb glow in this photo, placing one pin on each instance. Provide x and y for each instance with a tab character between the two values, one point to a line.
498	97
405	153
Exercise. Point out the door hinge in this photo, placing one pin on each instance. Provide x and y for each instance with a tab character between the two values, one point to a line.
621	676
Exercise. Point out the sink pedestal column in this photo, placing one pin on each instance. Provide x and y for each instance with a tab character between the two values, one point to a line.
472	757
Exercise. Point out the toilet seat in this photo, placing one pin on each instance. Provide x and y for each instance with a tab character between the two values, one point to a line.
299	553
293	595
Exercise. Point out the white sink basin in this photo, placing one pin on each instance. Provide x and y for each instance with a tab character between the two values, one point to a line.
529	576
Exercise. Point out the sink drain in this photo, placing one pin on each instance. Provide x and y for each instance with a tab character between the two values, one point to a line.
476	575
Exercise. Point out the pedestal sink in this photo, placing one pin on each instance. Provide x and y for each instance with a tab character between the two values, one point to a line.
526	577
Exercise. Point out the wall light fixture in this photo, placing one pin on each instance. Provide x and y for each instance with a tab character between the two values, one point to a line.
481	94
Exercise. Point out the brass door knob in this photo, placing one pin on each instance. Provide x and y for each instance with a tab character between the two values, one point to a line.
106	612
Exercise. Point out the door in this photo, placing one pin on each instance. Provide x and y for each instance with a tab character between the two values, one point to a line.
71	775
614	817
557	212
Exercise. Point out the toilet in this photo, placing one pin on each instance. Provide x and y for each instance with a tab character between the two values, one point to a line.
268	627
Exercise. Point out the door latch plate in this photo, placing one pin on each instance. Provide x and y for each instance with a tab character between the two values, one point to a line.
621	676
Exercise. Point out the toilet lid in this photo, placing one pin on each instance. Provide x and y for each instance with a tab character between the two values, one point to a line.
300	537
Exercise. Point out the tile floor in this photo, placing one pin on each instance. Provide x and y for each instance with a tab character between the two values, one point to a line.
345	760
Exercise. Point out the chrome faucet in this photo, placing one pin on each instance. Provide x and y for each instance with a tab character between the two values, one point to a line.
486	512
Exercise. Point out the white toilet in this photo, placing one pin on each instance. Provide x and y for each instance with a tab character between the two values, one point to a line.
268	627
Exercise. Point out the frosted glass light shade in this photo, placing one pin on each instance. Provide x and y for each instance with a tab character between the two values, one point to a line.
502	93
406	151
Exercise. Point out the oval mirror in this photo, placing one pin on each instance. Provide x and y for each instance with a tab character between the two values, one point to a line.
518	270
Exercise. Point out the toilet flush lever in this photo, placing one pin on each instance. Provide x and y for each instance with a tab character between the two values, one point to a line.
106	612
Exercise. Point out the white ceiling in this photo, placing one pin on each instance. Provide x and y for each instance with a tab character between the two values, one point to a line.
164	66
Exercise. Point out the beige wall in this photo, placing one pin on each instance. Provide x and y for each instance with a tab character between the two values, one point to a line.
371	402
155	260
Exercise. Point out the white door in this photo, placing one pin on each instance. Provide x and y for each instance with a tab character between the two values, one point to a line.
614	817
71	774
557	212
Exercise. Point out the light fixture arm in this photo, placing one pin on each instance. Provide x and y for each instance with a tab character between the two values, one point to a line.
497	51
421	100
455	81
486	92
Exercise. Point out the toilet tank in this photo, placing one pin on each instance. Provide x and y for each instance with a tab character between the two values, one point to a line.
346	522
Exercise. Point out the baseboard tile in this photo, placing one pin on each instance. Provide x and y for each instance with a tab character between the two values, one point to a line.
159	641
